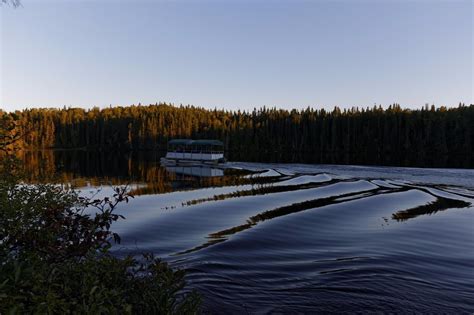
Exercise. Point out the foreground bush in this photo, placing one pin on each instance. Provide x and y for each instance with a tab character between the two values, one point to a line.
54	256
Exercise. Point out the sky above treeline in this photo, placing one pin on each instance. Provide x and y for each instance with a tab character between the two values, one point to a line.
236	54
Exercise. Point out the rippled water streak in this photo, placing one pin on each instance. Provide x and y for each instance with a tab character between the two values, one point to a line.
304	239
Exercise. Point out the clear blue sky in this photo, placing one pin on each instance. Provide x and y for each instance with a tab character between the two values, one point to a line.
237	54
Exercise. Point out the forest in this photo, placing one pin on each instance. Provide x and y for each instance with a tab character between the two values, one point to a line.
426	137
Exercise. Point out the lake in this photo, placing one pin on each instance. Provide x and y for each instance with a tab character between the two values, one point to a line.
293	238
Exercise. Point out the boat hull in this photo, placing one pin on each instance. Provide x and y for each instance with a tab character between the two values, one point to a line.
167	161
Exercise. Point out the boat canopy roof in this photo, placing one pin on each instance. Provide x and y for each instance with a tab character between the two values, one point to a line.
195	142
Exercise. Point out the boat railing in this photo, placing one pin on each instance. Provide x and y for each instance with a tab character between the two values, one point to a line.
181	150
196	151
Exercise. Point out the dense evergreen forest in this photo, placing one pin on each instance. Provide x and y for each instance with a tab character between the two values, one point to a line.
428	137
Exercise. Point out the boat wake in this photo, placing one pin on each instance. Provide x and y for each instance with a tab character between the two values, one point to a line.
283	238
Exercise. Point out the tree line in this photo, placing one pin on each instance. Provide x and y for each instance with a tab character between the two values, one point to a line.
427	137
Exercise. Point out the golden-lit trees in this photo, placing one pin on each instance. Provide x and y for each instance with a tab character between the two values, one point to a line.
439	137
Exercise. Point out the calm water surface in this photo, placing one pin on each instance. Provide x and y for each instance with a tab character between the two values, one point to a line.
262	238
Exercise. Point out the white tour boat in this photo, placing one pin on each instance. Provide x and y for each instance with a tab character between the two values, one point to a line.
188	151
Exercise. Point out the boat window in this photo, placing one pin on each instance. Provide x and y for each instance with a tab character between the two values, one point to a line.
196	148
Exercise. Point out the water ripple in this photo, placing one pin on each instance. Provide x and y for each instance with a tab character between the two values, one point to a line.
292	240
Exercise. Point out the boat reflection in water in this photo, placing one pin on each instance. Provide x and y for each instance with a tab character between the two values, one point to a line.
197	171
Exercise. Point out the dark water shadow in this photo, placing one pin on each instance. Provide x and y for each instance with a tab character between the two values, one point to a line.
223	235
261	189
440	204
